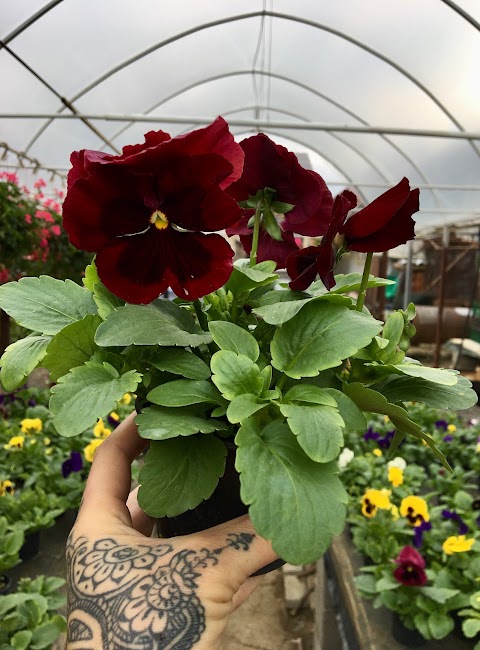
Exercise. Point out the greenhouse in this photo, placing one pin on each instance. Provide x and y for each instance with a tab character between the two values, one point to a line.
240	325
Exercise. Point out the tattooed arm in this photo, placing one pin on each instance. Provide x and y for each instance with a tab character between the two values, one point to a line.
129	591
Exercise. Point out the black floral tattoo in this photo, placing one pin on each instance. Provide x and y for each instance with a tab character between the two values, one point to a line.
131	598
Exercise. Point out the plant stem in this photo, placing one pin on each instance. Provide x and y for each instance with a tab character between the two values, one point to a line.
256	233
202	319
281	381
363	285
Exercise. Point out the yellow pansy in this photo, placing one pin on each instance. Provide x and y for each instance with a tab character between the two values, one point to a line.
31	424
478	448
377	452
386	419
6	487
15	443
126	399
415	509
395	513
458	544
395	476
372	500
114	416
100	430
90	449
452	428
46	441
49	451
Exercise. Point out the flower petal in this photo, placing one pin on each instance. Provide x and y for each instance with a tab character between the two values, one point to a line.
302	267
271	249
400	229
105	205
140	268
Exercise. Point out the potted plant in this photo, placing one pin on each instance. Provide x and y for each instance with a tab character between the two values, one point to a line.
11	541
274	373
29	617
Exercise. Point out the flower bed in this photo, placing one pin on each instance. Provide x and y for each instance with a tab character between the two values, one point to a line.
41	477
417	525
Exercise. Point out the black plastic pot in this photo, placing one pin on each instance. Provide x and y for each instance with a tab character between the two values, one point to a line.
5	584
31	546
224	504
409	638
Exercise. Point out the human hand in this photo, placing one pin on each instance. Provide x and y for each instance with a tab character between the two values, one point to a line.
128	590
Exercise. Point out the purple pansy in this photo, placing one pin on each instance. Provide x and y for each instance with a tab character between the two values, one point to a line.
419	531
370	434
387	438
451	514
441	424
72	464
447	438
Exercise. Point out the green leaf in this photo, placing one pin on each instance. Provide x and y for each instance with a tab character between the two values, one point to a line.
20	358
310	394
471	627
245	278
370	400
295	502
392	331
106	301
280	312
387	583
366	584
349	282
183	392
243	406
229	336
440	625
45	635
463	500
439	594
179	474
162	423
440	376
412	389
180	362
160	323
87	393
235	374
21	639
318	429
44	304
352	416
320	337
91	276
72	346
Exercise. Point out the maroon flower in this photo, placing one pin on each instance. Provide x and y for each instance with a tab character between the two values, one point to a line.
270	165
385	223
143	212
304	265
410	571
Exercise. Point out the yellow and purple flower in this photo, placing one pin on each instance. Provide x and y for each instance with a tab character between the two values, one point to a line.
415	510
457	544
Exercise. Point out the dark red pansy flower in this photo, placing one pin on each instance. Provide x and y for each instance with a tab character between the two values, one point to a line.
410	571
304	265
270	165
385	223
144	212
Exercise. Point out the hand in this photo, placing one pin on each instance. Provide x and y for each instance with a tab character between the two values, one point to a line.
128	590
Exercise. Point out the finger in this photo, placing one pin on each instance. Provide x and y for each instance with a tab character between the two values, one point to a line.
244	548
109	481
142	522
245	591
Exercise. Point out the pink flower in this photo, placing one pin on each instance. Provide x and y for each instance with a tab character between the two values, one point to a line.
46	216
40	183
55	230
28	218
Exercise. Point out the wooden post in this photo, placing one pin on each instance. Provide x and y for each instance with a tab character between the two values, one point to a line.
441	297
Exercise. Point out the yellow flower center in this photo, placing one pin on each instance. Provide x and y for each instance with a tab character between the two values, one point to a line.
159	220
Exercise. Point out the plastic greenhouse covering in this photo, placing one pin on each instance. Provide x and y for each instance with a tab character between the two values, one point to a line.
371	91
